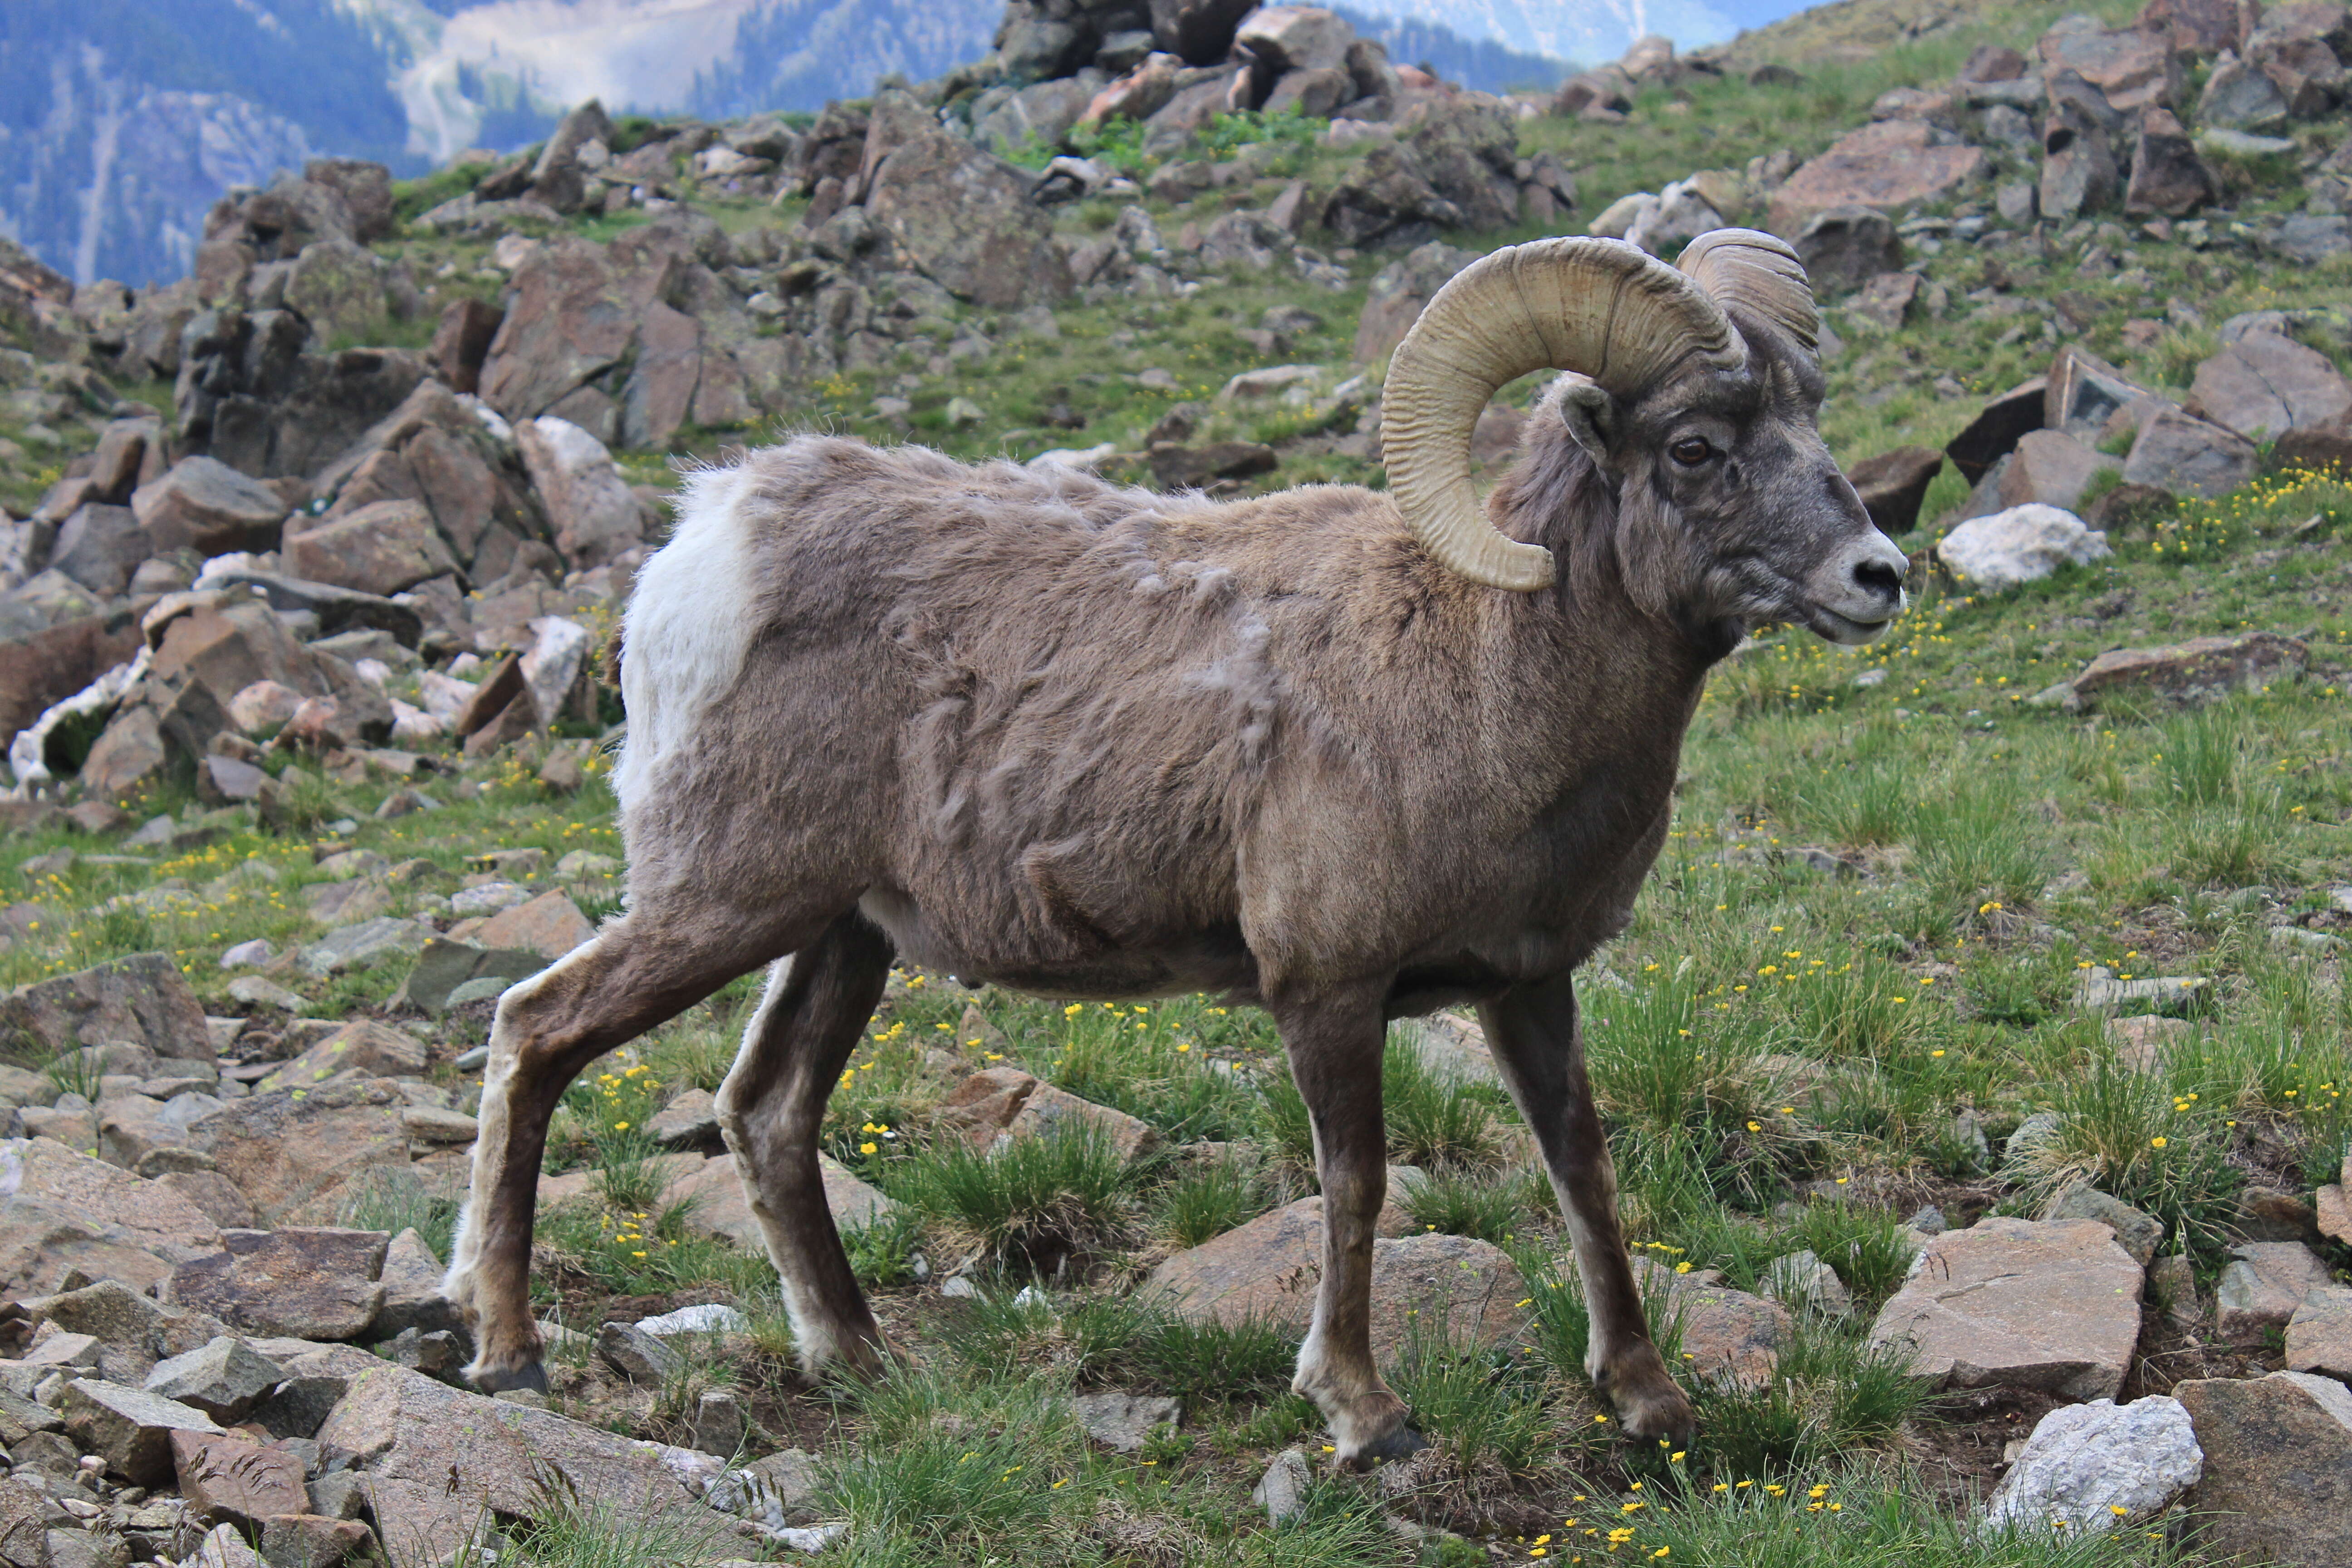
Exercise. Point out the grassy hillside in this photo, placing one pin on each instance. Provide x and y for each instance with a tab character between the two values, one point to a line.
1861	965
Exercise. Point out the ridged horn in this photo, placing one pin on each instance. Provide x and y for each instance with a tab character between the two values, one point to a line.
1747	271
1598	307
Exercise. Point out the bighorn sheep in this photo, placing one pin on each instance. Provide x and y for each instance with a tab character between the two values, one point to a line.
1344	755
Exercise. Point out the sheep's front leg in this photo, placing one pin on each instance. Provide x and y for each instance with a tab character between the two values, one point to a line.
1335	1058
1539	1046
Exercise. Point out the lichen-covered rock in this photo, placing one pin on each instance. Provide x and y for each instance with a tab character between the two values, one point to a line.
2278	1466
2089	1468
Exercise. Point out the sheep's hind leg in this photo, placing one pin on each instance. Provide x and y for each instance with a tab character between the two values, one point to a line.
603	993
770	1109
1539	1048
1335	1057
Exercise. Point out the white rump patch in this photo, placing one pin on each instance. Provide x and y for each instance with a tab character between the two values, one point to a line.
687	628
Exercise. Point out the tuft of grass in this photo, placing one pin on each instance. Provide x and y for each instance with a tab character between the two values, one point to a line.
1491	1208
394	1200
1485	1407
2127	1135
1831	1396
1208	1200
1035	1204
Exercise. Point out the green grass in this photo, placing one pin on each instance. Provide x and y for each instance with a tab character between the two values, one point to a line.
1038	1203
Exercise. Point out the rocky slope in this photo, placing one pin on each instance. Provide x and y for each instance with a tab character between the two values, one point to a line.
300	678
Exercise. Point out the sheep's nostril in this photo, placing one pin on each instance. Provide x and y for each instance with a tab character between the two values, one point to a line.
1879	578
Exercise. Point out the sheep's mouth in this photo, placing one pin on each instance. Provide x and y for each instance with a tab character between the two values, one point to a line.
1845	631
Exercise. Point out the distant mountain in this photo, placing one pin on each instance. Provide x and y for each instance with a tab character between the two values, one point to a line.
122	120
1481	63
798	53
1585	31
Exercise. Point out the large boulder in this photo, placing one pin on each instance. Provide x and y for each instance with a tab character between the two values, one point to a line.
2131	67
590	507
2277	1481
1399	293
1267	1269
2049	1305
2177	452
56	639
1198	31
963	217
339	287
2089	1468
301	1283
2266	384
254	392
143	999
2051	468
465	470
2167	175
1889	165
100	547
574	316
1451	169
284	1151
438	1460
380	549
2199	671
2019	544
1893	485
1729	1337
75	1218
208	506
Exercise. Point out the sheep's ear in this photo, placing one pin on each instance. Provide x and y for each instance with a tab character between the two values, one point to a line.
1590	414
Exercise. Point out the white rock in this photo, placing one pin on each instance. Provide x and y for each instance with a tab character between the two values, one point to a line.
414	726
1282	1490
2023	545
551	668
714	1317
1681	216
442	695
490	898
2085	1461
249	954
593	513
1620	215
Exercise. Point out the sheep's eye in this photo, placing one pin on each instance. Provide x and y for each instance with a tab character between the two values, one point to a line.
1691	451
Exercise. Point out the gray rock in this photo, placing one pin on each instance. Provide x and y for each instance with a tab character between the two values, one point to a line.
2319	1335
368	943
226	1379
2239	98
1122	1421
412	1291
2314	238
2089	1468
2033	1134
302	1282
2259	1292
129	1428
1802	1282
720	1423
2187	455
1282	1490
1929	1221
636	1354
2137	1233
689	1121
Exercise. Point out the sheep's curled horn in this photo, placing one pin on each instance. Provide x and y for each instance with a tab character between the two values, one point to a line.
1598	307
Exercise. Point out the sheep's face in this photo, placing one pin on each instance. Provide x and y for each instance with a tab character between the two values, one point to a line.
1730	512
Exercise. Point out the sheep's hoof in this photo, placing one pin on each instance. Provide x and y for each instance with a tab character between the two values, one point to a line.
1401	1443
531	1375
